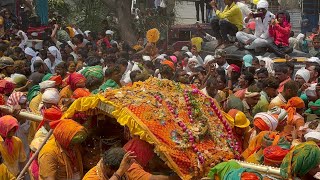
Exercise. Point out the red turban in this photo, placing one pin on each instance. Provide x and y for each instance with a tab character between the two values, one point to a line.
141	149
57	79
50	114
74	79
273	155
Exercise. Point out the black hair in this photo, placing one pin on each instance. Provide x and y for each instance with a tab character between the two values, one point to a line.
94	35
254	88
113	157
37	64
281	68
80	37
270	82
263	71
248	77
212	81
93	61
62	65
221	71
291	34
133	75
122	61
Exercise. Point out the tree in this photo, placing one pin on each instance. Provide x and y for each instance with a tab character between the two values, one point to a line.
122	10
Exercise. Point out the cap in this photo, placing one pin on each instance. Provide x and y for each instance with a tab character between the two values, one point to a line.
235	68
220	53
109	32
185	48
247	59
208	59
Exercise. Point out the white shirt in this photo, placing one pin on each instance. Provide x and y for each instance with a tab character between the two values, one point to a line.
245	10
262	28
51	66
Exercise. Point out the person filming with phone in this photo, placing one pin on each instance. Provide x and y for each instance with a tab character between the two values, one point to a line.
261	36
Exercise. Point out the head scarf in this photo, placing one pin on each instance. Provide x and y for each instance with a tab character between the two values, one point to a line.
6	87
222	169
51	95
235	68
243	174
108	84
19	79
174	59
304	73
74	79
207	59
168	63
30	52
65	130
95	71
7	123
14	98
33	92
47	77
300	160
265	122
263	4
51	114
291	107
273	155
80	92
190	60
141	149
71	31
55	52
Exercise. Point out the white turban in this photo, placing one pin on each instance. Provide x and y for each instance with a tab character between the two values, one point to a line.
263	4
304	73
55	52
312	135
314	60
47	84
189	54
208	59
193	59
51	95
270	120
30	52
146	58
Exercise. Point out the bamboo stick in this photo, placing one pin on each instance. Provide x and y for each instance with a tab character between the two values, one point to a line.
26	115
24	170
260	168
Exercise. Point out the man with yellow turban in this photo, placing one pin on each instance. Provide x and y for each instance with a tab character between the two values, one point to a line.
60	158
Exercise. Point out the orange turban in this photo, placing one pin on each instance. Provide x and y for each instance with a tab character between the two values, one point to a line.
291	107
65	130
261	124
80	92
57	79
169	63
49	115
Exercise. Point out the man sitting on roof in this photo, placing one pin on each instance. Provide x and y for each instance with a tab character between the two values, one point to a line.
261	36
227	22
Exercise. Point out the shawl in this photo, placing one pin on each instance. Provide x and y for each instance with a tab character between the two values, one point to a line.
80	92
7	123
222	169
300	160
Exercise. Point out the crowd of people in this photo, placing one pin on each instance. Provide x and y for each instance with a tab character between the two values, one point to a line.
273	108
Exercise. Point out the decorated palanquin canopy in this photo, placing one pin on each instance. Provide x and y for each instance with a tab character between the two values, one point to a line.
187	128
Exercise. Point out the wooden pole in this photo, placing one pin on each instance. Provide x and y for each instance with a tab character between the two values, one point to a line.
24	170
26	115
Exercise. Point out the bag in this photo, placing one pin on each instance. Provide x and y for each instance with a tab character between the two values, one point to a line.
163	4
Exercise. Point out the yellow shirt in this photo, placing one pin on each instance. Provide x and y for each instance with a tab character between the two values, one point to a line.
197	41
54	162
18	155
5	174
233	14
